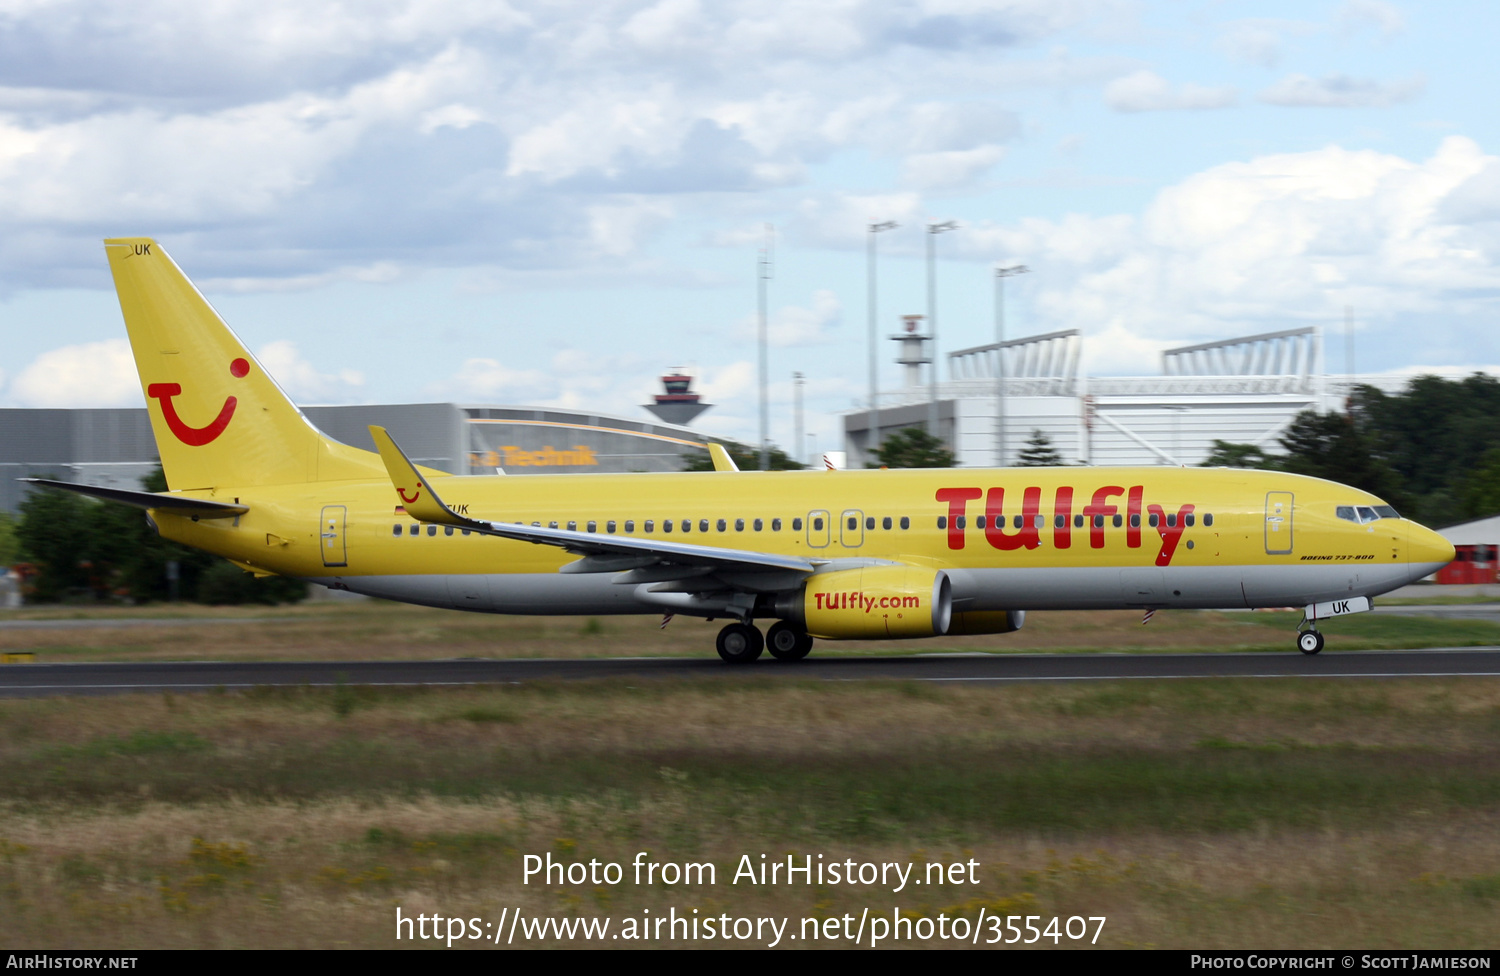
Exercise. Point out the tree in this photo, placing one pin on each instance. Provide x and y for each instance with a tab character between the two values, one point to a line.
1482	487
746	458
1227	455
10	546
1333	446
1039	452
913	448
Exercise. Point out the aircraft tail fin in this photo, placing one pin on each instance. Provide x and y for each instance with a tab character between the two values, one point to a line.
219	418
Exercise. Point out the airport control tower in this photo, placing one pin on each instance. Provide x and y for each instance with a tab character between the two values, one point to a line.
679	405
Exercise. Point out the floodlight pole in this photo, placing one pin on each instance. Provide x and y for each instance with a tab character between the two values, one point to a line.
933	230
765	270
797	407
1000	275
872	442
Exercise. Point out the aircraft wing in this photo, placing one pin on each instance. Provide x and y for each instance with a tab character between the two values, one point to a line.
601	553
176	504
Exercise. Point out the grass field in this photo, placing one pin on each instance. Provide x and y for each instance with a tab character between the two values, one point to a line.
376	630
1191	814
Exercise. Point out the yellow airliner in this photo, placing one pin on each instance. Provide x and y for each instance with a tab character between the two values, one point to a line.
841	555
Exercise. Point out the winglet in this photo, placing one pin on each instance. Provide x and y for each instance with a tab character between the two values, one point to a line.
722	460
417	495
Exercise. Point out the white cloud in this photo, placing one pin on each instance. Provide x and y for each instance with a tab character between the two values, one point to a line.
482	380
796	325
1382	16
1147	91
1340	91
950	170
93	374
302	381
1264	244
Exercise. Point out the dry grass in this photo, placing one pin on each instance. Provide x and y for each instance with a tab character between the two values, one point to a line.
1204	814
384	631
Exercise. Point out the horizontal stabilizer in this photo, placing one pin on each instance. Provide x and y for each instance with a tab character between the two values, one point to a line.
176	504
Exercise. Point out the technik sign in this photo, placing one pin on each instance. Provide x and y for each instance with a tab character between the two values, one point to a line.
511	456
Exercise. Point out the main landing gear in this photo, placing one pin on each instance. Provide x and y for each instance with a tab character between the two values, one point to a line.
742	643
1309	641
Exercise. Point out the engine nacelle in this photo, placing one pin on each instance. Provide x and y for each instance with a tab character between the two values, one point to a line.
876	602
986	622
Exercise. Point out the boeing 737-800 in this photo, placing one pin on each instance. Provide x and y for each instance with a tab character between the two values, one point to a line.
840	555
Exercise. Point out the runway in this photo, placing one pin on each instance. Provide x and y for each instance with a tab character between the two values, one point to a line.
34	680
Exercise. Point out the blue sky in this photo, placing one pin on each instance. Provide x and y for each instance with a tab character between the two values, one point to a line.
551	203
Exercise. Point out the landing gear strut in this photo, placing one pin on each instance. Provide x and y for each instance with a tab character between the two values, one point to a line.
1309	642
788	642
740	643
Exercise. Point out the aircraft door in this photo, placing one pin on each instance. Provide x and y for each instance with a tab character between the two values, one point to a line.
851	528
1278	523
331	532
817	529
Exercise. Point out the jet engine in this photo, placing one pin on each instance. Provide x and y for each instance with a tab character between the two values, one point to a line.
872	602
986	622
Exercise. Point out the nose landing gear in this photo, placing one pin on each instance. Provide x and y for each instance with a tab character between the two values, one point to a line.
1309	642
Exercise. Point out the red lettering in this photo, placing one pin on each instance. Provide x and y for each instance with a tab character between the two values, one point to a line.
958	500
1062	528
1096	510
1027	535
1133	518
1170	534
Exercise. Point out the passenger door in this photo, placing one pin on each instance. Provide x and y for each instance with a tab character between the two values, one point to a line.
1278	523
331	532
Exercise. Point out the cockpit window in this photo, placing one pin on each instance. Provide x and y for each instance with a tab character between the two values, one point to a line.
1365	513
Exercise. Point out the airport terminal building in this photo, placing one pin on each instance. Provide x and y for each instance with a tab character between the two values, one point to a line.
115	447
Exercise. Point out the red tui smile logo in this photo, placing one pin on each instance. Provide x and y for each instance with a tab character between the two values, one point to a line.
189	435
414	495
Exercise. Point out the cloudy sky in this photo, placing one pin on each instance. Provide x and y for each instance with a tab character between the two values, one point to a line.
552	202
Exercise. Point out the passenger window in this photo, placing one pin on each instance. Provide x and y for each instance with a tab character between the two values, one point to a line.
1098	521
703	525
1135	521
979	522
396	529
1171	520
1018	521
870	522
1039	521
593	526
432	530
650	525
687	525
739	525
1078	521
1155	520
905	522
610	526
796	525
1189	520
465	531
942	521
853	523
756	525
960	521
1058	521
885	523
1208	520
817	524
551	525
537	525
415	529
776	525
1119	520
447	530
666	525
630	525
722	525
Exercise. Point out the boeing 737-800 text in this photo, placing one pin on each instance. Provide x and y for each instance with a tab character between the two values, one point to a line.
841	555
